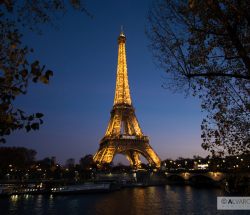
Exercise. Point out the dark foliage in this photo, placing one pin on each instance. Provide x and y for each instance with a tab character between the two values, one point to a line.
16	70
204	47
16	157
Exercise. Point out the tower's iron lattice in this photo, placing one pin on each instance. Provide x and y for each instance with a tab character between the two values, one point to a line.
124	134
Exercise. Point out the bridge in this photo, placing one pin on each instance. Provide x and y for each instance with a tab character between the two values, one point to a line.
215	176
208	178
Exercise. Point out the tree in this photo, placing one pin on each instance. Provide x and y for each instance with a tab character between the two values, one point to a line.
70	163
204	47
16	70
46	163
16	157
87	162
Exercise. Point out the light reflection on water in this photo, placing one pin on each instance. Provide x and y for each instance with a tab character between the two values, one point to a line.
150	200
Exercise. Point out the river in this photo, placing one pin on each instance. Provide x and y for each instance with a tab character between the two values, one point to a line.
167	199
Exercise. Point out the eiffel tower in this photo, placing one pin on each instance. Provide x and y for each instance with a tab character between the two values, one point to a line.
124	135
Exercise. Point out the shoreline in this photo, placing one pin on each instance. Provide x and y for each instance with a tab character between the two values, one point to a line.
86	188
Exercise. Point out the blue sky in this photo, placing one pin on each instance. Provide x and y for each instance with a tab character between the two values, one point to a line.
77	102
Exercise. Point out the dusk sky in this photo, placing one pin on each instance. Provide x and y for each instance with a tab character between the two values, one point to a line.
78	100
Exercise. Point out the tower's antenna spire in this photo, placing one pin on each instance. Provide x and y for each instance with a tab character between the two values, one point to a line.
122	32
122	91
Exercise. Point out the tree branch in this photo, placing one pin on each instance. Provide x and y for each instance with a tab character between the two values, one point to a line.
206	75
231	33
206	31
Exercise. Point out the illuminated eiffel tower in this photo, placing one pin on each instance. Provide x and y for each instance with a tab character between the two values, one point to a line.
124	135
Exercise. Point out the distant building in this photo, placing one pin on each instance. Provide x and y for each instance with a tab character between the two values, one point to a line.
53	161
200	165
70	163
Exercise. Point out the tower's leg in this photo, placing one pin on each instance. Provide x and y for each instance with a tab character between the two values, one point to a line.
152	157
104	155
134	158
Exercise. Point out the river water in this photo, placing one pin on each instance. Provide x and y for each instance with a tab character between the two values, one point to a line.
167	199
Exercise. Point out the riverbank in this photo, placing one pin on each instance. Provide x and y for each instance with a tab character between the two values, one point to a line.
57	189
108	182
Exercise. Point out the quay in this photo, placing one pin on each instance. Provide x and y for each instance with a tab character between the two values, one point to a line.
108	182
